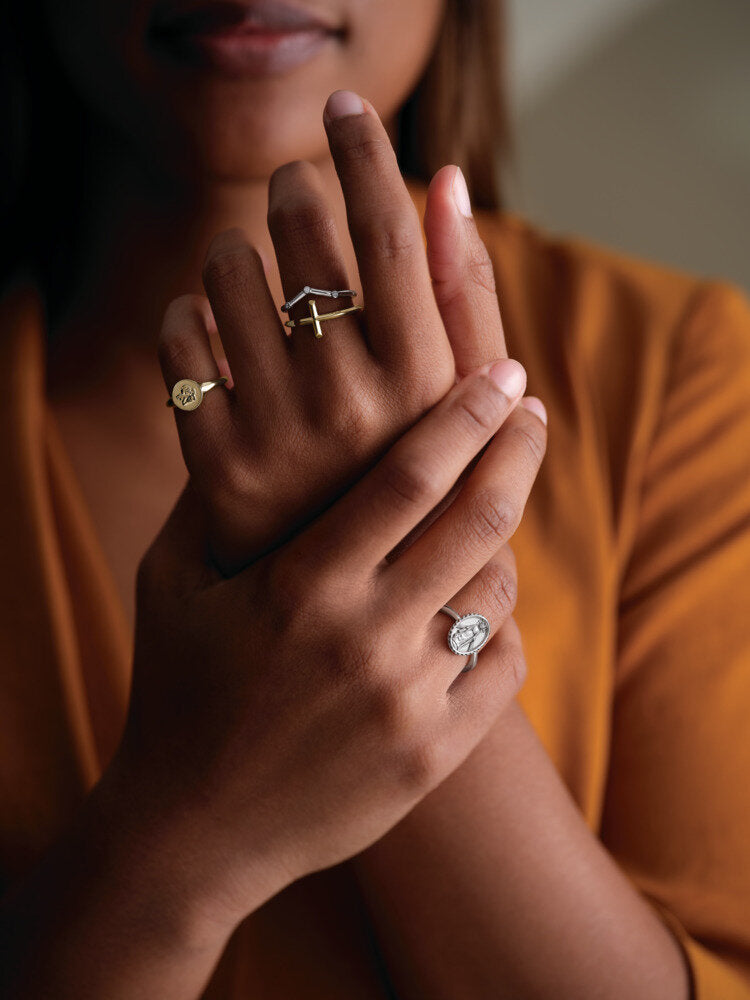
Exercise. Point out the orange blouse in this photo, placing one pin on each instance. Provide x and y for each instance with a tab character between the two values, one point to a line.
634	570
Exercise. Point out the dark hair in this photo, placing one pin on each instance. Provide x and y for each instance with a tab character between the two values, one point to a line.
456	114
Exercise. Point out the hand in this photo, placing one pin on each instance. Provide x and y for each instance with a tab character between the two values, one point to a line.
315	706
307	417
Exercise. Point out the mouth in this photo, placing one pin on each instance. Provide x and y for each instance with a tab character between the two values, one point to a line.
240	37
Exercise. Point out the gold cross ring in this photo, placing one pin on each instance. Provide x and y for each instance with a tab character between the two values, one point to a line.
317	318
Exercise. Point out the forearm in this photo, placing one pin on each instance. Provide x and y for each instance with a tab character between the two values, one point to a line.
495	887
120	908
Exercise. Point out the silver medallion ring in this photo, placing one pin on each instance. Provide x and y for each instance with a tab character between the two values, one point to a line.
307	290
187	394
467	635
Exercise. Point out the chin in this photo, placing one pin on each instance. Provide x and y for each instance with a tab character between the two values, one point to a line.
231	131
244	141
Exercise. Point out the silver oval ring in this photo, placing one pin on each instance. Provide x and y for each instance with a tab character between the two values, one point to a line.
467	635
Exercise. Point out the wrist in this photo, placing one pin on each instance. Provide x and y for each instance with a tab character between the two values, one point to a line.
168	859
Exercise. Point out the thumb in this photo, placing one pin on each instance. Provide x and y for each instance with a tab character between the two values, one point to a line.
462	273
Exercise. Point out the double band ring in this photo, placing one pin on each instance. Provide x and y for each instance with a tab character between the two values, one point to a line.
315	319
467	635
187	394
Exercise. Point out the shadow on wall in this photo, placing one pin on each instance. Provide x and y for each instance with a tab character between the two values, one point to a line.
642	141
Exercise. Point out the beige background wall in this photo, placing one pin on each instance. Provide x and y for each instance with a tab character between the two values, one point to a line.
632	125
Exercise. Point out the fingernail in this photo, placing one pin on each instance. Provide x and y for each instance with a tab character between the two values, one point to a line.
461	193
509	376
342	103
535	404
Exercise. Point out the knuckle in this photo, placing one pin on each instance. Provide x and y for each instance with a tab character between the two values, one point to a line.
290	175
173	351
350	659
501	587
361	655
235	483
301	217
359	146
230	266
531	433
351	422
491	516
184	307
480	405
175	340
396	713
391	237
306	590
480	269
419	764
409	481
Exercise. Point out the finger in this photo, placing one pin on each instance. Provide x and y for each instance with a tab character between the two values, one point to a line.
491	593
417	472
251	333
482	518
462	273
308	251
403	325
476	698
184	350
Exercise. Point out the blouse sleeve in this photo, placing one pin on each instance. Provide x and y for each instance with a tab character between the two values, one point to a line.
677	804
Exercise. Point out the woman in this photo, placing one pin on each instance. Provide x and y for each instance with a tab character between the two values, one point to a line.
303	794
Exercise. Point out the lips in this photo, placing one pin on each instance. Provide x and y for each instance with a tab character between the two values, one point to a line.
256	38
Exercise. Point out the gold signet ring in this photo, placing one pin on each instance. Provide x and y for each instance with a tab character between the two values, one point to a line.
187	394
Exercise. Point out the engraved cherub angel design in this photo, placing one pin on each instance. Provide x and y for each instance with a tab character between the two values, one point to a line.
469	634
186	394
464	636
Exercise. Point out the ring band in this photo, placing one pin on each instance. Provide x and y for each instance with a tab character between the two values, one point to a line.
187	394
315	318
332	293
467	635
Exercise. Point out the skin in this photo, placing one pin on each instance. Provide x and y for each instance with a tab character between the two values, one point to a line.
174	167
257	803
157	889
